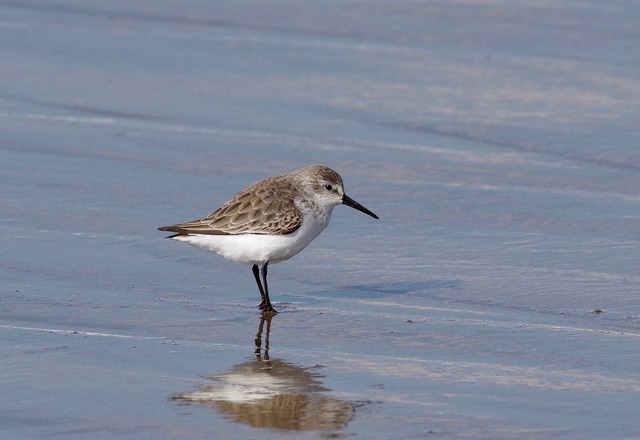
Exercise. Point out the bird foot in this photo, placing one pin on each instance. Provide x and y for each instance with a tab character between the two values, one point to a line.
267	308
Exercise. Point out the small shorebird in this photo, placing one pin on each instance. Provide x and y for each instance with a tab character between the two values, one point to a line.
270	221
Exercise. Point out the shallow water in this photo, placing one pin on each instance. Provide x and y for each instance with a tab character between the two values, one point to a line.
496	297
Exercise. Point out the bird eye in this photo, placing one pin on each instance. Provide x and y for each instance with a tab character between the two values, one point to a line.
328	187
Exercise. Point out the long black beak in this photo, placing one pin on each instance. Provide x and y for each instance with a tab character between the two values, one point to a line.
346	200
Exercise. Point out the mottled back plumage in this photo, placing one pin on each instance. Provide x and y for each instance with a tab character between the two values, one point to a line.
266	207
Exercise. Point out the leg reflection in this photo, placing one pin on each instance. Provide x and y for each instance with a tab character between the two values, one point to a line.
260	355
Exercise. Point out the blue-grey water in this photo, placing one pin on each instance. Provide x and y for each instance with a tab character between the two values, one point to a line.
498	296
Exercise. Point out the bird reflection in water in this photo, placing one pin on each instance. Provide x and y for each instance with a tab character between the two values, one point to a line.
272	393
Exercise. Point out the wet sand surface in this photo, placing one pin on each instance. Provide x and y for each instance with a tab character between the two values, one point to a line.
498	296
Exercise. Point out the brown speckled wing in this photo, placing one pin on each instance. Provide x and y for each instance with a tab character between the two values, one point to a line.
266	207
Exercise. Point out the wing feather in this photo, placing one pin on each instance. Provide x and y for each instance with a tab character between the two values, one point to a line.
266	207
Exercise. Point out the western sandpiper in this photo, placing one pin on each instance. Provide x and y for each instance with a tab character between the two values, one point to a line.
270	221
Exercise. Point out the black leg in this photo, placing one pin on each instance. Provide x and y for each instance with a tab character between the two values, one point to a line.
256	274
266	306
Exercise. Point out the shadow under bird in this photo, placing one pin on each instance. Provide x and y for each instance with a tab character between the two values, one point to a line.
269	221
